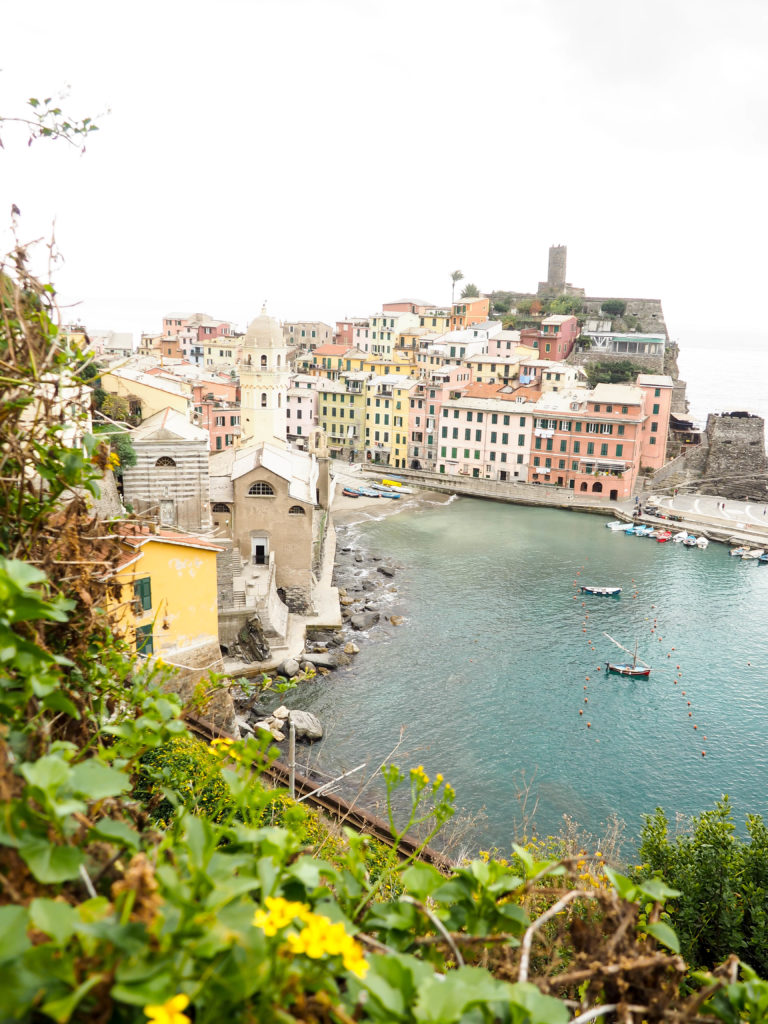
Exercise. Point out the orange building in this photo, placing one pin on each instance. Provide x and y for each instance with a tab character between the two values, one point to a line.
468	311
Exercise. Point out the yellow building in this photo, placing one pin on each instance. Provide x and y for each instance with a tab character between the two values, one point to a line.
341	414
146	393
164	593
386	419
436	320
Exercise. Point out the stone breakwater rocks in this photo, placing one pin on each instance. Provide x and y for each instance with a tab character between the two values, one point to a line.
368	601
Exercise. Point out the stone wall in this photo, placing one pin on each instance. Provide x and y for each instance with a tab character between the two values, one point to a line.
191	666
649	364
648	311
183	485
736	465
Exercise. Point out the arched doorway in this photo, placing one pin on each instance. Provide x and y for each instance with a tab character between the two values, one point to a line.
584	486
597	487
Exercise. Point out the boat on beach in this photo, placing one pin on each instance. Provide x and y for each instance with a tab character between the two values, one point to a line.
367	492
350	492
635	669
601	591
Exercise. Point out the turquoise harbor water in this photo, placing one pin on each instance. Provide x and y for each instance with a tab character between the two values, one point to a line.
488	672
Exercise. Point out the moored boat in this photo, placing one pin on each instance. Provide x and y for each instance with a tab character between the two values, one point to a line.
616	525
678	538
601	591
662	536
737	552
702	542
763	558
690	541
753	553
636	668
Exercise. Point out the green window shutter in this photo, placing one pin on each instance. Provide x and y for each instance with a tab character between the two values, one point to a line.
144	642
142	591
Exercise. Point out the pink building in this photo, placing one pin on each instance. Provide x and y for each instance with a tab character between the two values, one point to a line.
556	338
417	306
426	404
301	405
217	410
597	442
352	332
485	433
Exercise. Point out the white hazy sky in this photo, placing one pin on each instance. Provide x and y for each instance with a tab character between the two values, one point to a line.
329	155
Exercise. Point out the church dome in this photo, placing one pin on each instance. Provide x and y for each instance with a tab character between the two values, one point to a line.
264	332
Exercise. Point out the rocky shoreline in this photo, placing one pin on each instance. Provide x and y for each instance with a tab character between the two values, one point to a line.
369	600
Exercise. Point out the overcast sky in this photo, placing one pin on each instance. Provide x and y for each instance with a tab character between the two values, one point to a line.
331	155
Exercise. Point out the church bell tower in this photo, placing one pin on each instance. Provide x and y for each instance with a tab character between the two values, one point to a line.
264	382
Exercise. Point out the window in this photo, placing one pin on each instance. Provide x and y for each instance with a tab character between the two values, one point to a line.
296	510
536	460
519	460
478	435
264	400
220	507
469	417
455	433
494	417
592	428
444	432
442	453
606	428
144	644
653	440
576	447
263	362
505	438
603	449
549	444
597	407
620	430
218	443
522	421
142	593
493	437
165	460
624	410
520	440
590	448
221	421
657	392
619	450
654	427
609	408
656	409
563	446
467	434
261	489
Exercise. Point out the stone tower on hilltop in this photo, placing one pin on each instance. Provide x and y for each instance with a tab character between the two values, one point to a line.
264	382
556	283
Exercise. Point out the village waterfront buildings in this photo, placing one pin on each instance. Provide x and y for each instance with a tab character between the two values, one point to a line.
235	433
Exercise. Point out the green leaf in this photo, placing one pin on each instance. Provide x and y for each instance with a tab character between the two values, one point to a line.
13	932
47	773
540	1009
444	999
50	863
62	1009
657	890
665	935
422	879
53	917
116	832
96	780
624	886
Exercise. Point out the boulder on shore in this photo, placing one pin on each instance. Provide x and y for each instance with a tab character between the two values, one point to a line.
289	668
364	620
307	726
385	570
321	660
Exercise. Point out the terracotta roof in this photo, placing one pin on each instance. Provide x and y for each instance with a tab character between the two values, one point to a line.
137	536
478	390
331	350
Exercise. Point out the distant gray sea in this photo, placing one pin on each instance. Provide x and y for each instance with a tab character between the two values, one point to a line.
724	373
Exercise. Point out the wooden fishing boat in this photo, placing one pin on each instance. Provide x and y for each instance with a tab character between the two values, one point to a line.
349	492
602	591
753	553
737	552
636	668
366	492
616	525
662	536
690	541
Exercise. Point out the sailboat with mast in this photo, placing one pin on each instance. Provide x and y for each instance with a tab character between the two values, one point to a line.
637	668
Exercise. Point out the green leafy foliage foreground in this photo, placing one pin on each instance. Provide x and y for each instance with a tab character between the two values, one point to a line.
132	889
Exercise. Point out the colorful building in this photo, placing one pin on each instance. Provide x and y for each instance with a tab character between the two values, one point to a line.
426	401
468	311
164	592
485	433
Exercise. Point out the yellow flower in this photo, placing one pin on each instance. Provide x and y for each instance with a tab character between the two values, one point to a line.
321	937
169	1012
279	914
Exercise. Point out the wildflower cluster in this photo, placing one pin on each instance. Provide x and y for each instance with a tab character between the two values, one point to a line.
318	938
169	1012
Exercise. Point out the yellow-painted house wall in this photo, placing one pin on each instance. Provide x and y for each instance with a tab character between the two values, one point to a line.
152	399
184	607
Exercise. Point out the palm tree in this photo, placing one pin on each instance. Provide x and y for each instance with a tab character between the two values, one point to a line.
456	276
471	291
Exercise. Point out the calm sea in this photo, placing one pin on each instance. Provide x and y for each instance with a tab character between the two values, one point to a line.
499	654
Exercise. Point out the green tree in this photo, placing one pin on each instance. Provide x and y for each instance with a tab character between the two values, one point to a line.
612	371
116	408
723	881
566	304
614	307
471	291
456	276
